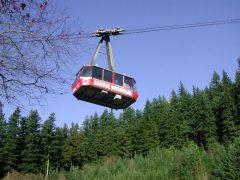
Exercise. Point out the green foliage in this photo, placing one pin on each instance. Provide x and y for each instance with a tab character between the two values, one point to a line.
227	128
2	140
236	91
147	136
184	111
91	130
168	123
188	163
227	162
61	136
128	124
105	136
203	122
22	140
11	149
147	131
49	143
31	153
221	94
169	139
73	148
191	163
122	141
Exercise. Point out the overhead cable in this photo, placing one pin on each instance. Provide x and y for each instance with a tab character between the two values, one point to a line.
127	31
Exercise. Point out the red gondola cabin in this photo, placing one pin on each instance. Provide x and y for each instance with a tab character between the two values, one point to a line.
104	87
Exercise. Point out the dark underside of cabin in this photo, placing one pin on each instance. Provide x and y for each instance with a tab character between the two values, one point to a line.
103	98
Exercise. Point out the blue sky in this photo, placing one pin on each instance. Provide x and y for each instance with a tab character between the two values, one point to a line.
159	60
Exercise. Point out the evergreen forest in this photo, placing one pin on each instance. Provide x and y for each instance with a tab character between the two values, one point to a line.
191	135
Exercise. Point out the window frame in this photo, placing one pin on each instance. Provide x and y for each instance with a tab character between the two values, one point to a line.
105	70
86	67
122	79
132	86
95	67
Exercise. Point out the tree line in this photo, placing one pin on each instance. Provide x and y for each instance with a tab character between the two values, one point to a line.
204	116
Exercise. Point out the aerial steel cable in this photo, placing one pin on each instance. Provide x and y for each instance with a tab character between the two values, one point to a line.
82	35
182	26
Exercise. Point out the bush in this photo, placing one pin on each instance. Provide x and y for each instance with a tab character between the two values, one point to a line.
191	162
227	162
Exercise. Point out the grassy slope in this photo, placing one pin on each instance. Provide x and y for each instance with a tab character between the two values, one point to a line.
188	163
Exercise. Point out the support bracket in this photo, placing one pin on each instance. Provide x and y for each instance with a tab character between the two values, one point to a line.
105	36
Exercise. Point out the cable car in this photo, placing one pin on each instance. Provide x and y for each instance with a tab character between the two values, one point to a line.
103	86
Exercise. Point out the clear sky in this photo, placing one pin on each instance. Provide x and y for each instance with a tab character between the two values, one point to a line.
158	60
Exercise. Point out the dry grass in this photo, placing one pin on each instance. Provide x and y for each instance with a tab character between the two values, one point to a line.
14	175
132	165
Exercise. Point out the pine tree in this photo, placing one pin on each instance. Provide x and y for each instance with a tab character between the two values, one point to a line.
147	136
69	147
128	123
74	148
148	112
226	112
233	161
147	130
169	126
128	116
184	111
105	136
122	140
204	122
11	148
2	140
61	136
22	139
175	129
31	153
228	162
136	132
215	92
49	143
91	128
237	98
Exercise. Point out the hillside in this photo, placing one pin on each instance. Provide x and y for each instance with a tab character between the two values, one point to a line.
190	162
183	136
